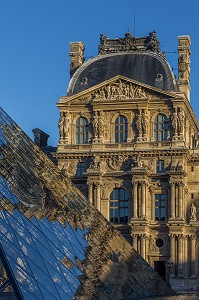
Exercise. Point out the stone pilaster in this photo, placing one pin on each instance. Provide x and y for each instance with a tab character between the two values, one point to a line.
180	200
143	199
180	255
143	245
98	196
173	199
135	241
90	193
135	199
185	257
173	252
193	256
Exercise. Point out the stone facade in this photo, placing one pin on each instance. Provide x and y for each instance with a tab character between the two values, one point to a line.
132	149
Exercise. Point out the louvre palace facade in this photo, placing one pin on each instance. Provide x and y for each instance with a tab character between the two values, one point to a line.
129	142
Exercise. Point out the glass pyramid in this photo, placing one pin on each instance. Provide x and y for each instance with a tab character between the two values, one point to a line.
53	243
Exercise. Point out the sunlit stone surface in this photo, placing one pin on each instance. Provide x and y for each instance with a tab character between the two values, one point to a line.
53	243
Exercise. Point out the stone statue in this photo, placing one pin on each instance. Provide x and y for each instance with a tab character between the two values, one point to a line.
177	122
139	163
174	122
64	126
193	212
95	163
98	125
61	126
139	125
131	91
101	124
180	117
144	122
95	124
140	93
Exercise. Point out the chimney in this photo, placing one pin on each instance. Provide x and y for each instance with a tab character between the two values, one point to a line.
76	56
40	137
184	53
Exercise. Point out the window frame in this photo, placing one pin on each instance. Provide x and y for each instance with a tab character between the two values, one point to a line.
161	128
160	166
80	170
118	206
121	129
82	128
160	207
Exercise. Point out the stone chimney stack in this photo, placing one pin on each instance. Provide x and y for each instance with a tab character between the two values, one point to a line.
40	137
184	53
76	56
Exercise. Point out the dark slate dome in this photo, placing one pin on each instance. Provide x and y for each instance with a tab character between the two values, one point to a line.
146	67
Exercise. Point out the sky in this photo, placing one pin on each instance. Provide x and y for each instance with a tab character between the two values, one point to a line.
35	37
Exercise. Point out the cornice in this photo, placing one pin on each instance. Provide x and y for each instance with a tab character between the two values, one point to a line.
67	99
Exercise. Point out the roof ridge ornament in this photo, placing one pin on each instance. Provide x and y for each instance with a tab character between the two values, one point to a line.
129	43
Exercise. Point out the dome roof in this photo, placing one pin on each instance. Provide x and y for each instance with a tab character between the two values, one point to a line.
147	67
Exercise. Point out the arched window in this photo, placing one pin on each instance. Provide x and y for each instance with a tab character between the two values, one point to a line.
121	130
161	128
82	131
119	206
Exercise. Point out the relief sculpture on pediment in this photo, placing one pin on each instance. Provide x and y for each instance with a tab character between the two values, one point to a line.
119	90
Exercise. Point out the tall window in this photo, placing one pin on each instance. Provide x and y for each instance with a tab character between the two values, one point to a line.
82	131
119	206
159	207
161	128
159	166
121	130
80	169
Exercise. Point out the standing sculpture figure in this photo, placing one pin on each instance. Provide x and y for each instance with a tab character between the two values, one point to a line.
66	126
180	121
144	122
193	212
101	124
139	125
61	126
174	122
95	124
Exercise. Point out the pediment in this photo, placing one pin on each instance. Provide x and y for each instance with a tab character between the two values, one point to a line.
118	88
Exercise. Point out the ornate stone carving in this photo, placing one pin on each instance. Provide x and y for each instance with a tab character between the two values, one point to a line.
183	65
119	162
95	162
120	90
129	43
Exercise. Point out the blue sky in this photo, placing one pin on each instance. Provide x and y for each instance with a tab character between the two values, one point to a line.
34	52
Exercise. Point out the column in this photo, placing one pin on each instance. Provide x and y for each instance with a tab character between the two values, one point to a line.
98	197
147	249
135	241
180	255
185	258
173	195
90	193
172	253
193	256
143	199
135	199
143	246
180	187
